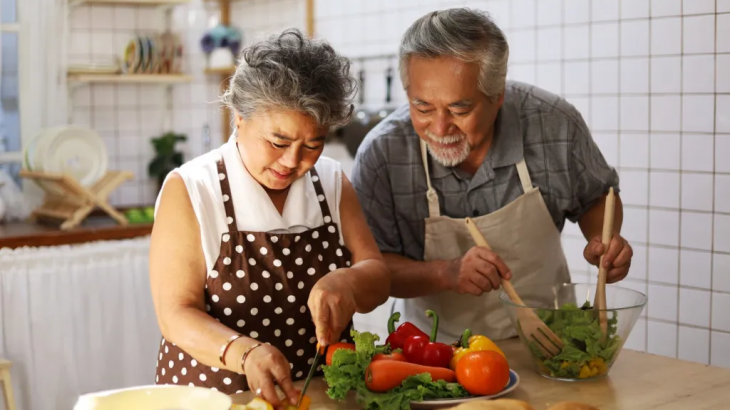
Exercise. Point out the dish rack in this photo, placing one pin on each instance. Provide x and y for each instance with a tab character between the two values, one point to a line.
68	203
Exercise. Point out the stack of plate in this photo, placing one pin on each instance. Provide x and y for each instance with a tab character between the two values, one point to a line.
71	150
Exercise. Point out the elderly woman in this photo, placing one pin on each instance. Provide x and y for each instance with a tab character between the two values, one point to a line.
260	249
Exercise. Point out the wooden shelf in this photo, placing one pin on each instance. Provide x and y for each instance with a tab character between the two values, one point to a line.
130	78
150	3
221	71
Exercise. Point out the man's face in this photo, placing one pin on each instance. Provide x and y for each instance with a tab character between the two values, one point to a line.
447	110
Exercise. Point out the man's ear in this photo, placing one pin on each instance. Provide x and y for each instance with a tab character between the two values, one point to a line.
500	100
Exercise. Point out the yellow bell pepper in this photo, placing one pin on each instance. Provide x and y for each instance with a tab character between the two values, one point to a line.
473	343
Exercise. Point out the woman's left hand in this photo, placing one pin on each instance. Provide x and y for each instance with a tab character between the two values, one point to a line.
332	303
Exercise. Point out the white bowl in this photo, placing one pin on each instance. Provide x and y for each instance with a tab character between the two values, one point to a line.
157	397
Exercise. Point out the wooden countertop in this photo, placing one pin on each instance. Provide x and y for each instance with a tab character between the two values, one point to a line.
94	228
637	381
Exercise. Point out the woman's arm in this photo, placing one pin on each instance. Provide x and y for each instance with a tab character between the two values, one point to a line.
177	277
357	289
369	274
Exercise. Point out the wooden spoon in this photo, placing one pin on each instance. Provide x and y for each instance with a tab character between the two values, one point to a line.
600	300
549	343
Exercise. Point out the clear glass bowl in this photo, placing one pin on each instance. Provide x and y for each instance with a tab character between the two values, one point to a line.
585	355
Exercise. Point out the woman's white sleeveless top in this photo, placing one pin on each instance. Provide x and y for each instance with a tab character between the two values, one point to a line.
254	210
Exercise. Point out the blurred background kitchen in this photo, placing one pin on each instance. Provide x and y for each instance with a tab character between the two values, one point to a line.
120	91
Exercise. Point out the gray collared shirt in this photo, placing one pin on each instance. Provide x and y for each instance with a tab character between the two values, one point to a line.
561	157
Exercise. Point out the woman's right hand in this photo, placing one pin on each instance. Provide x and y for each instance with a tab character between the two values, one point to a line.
264	366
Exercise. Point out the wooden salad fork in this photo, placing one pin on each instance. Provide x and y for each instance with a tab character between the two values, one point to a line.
532	327
600	299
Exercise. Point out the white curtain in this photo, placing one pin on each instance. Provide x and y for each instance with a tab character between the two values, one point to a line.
76	319
44	102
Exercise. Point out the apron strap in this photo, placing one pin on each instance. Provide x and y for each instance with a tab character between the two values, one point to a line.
431	195
321	198
524	175
227	198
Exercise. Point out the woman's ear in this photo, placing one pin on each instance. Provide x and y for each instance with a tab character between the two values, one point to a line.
238	120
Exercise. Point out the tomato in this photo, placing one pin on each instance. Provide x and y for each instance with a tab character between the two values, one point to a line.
331	349
397	356
483	372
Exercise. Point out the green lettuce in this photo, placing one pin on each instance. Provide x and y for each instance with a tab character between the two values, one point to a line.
347	373
580	330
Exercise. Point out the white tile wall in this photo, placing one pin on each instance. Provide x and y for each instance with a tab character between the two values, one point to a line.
651	78
128	116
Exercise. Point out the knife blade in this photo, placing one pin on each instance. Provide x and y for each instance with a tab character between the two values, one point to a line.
320	352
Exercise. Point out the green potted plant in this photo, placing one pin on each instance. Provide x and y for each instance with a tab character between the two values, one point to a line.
166	157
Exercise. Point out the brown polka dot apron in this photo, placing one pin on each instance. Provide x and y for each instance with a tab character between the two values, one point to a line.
259	287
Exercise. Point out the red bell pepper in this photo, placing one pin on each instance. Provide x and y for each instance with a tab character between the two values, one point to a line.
425	351
396	338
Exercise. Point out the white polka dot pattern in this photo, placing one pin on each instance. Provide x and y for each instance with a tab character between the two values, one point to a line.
258	273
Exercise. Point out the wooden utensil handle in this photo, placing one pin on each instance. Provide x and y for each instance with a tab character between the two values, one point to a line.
480	240
600	300
607	233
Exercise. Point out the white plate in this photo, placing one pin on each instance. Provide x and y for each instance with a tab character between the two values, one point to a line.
514	380
77	151
155	398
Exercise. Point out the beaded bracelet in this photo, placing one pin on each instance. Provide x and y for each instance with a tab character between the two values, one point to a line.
225	347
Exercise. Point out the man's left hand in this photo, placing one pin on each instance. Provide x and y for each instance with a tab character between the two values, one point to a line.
617	259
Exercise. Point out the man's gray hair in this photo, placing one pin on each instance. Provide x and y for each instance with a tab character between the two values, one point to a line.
466	34
292	72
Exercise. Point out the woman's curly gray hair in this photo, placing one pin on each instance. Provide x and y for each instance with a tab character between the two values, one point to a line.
291	72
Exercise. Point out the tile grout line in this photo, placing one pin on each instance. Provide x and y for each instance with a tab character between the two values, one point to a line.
681	164
648	187
714	187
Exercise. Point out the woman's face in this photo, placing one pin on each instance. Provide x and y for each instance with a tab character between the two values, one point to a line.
278	147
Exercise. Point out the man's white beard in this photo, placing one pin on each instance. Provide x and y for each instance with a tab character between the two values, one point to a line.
448	157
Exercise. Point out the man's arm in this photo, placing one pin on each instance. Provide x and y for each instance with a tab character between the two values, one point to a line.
412	279
591	222
591	177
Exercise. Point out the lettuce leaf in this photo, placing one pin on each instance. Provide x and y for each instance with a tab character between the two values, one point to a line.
347	373
580	330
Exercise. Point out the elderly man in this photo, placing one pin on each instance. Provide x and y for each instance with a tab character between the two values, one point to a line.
516	159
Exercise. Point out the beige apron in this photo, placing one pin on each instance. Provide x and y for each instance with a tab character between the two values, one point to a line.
522	233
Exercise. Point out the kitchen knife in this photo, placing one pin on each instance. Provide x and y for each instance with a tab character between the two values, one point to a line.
320	352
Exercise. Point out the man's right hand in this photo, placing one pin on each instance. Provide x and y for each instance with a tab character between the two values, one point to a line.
479	270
